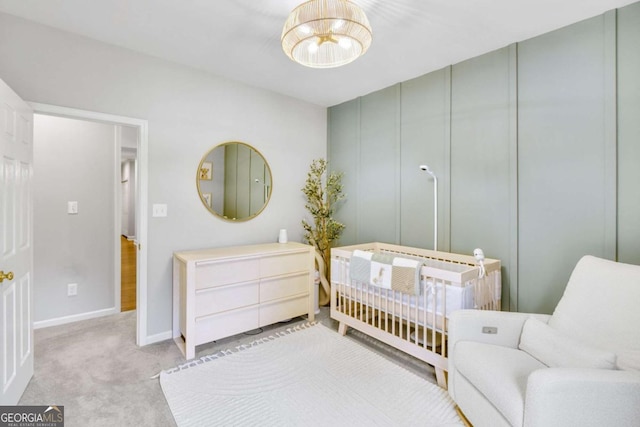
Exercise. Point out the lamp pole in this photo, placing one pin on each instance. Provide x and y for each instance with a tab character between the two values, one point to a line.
426	169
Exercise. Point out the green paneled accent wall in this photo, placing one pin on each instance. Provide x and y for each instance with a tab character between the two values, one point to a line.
481	169
536	147
563	158
424	139
629	134
378	177
343	154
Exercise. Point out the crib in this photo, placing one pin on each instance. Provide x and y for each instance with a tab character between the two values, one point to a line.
413	323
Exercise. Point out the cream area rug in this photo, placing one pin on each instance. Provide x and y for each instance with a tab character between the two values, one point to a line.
307	376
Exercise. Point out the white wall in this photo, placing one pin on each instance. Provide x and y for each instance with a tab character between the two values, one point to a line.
73	160
188	112
128	201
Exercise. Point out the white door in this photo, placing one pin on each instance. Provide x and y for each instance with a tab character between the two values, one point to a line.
16	245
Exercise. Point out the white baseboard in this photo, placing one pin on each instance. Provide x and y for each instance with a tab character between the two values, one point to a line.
75	318
162	336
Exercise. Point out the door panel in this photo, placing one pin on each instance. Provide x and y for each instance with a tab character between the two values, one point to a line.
16	244
8	207
24	318
24	207
8	335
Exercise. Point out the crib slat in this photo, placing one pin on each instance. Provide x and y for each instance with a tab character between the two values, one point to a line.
442	317
386	312
415	323
379	304
425	310
393	314
434	311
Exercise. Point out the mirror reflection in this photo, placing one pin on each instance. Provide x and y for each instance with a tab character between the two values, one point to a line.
234	181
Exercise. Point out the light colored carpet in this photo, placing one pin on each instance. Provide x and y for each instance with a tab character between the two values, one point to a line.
94	368
307	376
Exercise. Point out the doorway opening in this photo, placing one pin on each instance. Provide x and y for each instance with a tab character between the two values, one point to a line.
140	127
128	246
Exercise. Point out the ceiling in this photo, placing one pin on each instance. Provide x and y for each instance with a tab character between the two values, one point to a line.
240	39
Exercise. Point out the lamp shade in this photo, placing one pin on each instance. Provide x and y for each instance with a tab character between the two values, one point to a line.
326	33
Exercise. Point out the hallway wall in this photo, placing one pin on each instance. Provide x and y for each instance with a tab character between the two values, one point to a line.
74	160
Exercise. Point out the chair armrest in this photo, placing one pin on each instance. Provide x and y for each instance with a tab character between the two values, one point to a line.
466	325
582	397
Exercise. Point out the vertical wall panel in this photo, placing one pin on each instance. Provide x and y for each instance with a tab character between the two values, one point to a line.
343	154
424	124
610	136
378	194
480	156
510	280
629	134
562	158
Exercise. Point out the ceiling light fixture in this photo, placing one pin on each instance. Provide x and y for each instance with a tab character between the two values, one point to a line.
326	33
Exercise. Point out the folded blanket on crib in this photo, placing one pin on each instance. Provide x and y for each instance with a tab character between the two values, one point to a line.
386	271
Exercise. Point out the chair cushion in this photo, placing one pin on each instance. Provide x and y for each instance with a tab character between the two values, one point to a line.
600	307
499	373
557	350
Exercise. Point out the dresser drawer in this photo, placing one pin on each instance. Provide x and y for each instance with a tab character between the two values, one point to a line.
282	287
226	324
284	264
227	272
279	310
223	298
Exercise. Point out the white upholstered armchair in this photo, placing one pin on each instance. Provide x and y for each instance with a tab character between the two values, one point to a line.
577	367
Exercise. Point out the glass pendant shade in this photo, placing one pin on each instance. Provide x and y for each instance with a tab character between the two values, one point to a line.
326	33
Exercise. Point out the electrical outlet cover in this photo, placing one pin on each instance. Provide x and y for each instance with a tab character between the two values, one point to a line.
72	289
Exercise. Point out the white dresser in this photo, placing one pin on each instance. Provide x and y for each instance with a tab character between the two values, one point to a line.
225	291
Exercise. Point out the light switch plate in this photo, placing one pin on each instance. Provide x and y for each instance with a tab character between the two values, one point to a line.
72	208
159	210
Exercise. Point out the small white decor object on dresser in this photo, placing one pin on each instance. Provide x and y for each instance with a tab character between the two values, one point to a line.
226	291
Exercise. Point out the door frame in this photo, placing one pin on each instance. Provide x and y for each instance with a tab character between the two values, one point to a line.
141	200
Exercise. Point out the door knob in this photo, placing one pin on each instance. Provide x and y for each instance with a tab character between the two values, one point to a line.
3	276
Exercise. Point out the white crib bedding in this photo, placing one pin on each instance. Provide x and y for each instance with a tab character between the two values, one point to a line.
419	309
457	297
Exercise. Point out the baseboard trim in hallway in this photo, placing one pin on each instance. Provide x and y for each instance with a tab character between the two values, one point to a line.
74	318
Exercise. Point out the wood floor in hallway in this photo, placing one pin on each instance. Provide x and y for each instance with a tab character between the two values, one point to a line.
128	275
